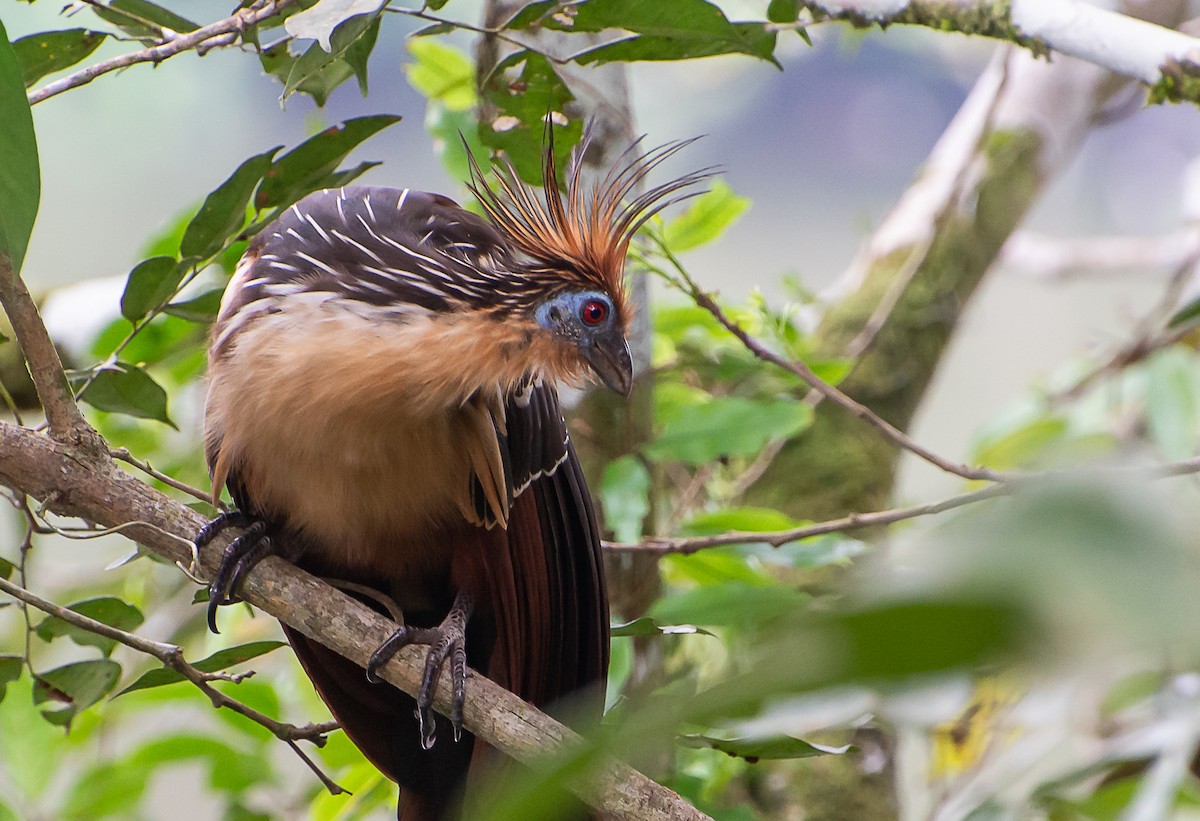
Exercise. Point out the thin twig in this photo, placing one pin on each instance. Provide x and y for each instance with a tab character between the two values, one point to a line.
889	431
171	656
855	521
222	32
124	455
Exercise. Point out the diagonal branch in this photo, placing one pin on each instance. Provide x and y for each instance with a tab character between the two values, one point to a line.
221	33
62	414
171	656
92	487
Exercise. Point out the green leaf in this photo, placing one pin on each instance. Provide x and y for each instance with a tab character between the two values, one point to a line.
728	426
220	660
1185	314
319	21
6	568
318	72
110	610
10	671
309	165
757	749
1173	402
359	52
20	177
1022	447
223	213
665	29
729	604
150	282
522	100
143	19
783	11
706	218
50	51
743	519
127	389
646	626
65	691
625	497
442	72
203	308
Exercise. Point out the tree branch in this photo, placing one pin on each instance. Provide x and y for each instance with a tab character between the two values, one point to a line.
1153	54
222	33
92	487
62	414
171	656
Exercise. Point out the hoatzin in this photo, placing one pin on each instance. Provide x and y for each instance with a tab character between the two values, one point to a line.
382	408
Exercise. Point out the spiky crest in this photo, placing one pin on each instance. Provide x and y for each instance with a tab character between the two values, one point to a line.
581	238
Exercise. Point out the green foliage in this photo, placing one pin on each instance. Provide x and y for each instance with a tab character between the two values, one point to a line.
528	103
224	210
625	497
663	30
446	77
107	609
123	388
51	51
142	19
220	660
706	218
757	749
64	691
20	178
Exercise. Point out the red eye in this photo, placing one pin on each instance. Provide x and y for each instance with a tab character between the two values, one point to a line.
593	312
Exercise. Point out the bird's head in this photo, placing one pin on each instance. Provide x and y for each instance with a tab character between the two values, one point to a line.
589	321
575	243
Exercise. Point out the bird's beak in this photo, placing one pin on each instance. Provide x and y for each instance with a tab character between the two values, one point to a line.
610	359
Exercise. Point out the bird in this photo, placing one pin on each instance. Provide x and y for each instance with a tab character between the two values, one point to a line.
383	409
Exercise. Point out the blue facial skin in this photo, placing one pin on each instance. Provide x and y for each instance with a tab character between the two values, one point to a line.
587	318
563	316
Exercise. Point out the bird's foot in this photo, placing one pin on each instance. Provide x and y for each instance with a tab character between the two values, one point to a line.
447	640
239	557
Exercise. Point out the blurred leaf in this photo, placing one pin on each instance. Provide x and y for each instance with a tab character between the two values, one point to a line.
729	604
220	660
522	101
150	282
728	426
142	19
743	519
1172	403
1185	314
646	626
716	566
6	568
1022	446
667	29
50	51
317	22
783	11
10	671
757	749
110	610
127	389
442	72
309	165
106	790
224	210
65	691
625	497
203	308
240	812
706	218
20	178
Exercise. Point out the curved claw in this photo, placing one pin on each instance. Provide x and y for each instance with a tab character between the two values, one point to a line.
242	553
447	640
